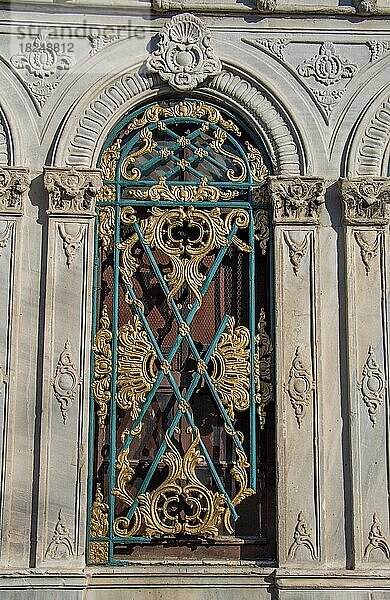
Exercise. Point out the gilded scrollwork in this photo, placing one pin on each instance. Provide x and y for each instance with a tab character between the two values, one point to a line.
183	193
98	552
146	137
110	159
136	367
162	230
240	476
123	526
218	144
99	515
231	368
262	368
160	508
106	225
256	162
102	371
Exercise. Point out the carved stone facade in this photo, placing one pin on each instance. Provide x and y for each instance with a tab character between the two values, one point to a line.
315	90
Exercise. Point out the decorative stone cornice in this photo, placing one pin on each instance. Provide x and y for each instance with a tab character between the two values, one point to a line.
184	57
296	199
71	191
266	5
366	201
14	186
364	7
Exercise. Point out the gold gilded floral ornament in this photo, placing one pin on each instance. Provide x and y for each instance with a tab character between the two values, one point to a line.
98	552
231	368
182	504
99	515
136	371
184	57
258	169
207	231
123	526
102	370
262	363
183	193
239	474
106	225
146	137
109	159
220	137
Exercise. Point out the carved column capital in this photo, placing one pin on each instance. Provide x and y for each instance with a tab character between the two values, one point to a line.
266	5
366	201
366	7
72	192
296	199
14	186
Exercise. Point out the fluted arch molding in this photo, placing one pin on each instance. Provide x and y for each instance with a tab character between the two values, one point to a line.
369	151
78	143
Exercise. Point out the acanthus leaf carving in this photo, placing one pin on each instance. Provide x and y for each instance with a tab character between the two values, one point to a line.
184	57
99	41
368	249
65	381
99	515
376	539
274	47
377	48
71	191
42	66
366	201
302	537
60	546
300	385
71	240
14	186
296	250
372	385
296	199
5	235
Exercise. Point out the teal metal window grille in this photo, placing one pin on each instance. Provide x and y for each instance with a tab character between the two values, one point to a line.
181	363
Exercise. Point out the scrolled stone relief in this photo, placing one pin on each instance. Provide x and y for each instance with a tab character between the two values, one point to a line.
376	539
72	235
60	546
266	5
368	248
71	191
65	381
366	201
377	48
100	41
366	6
296	250
6	228
372	386
42	67
300	385
184	57
296	199
274	47
14	186
302	537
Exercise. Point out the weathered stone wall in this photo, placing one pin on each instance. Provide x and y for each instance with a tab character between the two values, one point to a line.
314	84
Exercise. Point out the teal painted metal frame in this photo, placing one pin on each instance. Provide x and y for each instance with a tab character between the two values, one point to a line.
120	185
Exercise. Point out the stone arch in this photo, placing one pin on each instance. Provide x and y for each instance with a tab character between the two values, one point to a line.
79	145
369	151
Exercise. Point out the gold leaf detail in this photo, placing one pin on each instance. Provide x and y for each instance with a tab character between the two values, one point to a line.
204	509
183	193
106	225
136	374
262	363
110	159
102	371
239	474
123	526
99	515
220	138
231	368
146	137
256	163
98	552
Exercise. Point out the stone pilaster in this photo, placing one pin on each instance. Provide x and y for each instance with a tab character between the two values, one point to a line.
296	206
65	389
366	209
14	186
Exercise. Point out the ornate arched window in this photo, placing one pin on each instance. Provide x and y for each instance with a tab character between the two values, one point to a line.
181	366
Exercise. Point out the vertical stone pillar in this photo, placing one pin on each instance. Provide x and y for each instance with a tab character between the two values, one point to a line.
65	389
366	205
296	204
14	186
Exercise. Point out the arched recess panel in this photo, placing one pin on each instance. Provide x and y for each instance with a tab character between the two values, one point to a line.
181	447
